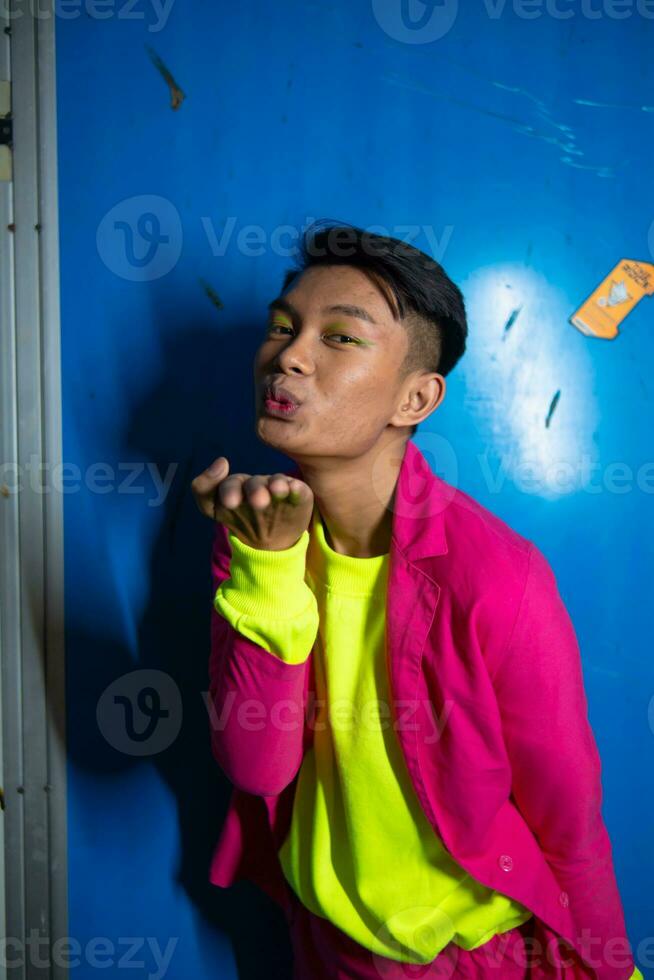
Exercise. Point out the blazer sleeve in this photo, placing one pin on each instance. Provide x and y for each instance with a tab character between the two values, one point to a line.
263	626
556	766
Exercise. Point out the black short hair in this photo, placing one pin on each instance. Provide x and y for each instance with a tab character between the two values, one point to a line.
415	285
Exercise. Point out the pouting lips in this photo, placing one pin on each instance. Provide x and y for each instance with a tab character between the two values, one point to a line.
280	394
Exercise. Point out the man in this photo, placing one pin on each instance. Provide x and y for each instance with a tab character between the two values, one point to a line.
456	824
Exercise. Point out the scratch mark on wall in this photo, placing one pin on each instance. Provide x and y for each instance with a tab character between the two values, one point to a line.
512	319
393	80
569	147
600	171
613	105
522	91
176	94
553	405
564	141
212	294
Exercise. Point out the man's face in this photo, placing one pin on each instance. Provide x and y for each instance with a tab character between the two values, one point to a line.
331	340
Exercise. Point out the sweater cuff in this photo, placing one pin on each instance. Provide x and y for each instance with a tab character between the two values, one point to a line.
267	584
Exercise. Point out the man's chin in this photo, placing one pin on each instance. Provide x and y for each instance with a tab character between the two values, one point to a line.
275	432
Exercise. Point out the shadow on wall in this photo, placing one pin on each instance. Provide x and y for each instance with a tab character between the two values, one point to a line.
201	407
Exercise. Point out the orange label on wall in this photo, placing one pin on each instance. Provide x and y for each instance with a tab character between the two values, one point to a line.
615	297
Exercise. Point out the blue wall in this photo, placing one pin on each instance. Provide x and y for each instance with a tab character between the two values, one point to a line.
516	144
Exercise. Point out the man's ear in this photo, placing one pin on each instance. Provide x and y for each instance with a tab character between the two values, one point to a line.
422	393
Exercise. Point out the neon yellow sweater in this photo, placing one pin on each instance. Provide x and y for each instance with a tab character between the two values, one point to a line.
360	850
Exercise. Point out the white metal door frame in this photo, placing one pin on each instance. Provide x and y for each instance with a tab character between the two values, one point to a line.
32	679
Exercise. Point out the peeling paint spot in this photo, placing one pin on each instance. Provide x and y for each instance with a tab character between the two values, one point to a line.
176	94
4	490
512	319
553	405
212	294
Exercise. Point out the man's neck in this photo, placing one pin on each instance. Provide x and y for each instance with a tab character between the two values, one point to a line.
354	497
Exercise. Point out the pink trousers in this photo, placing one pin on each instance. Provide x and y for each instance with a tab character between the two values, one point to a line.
323	952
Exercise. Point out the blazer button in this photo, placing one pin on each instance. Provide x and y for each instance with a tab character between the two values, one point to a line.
564	899
505	862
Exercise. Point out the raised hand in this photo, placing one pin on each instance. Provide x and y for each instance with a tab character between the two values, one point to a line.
269	512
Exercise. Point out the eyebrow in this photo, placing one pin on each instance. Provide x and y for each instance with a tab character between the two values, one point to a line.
347	309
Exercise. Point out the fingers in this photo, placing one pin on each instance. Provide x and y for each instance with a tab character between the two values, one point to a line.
218	466
261	491
283	487
299	491
278	485
220	494
239	490
204	483
229	491
256	492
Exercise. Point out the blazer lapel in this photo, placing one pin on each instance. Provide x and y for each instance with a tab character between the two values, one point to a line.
417	535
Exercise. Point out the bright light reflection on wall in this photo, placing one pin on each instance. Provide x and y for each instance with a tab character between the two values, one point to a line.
512	375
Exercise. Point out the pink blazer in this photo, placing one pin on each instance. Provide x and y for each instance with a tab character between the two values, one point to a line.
490	710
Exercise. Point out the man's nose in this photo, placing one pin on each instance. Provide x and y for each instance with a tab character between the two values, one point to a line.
296	356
